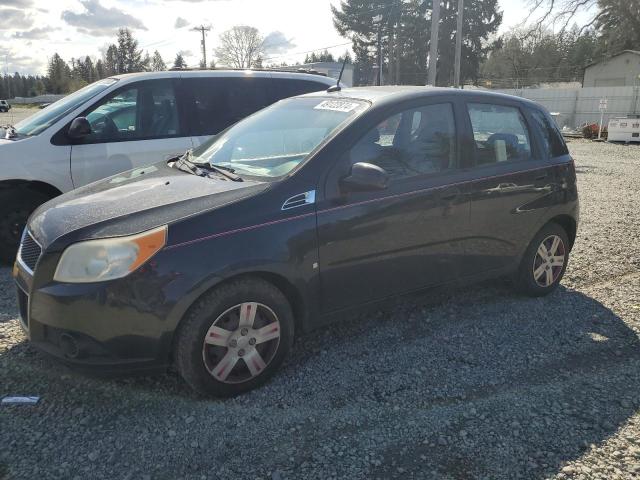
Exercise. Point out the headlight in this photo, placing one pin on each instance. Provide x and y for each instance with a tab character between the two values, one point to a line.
109	258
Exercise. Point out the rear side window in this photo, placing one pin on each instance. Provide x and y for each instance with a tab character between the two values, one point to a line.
500	133
553	142
214	104
289	87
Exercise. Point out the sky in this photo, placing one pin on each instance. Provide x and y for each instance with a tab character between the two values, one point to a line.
31	31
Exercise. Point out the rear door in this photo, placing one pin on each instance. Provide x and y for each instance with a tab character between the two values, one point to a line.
215	103
407	236
136	125
513	182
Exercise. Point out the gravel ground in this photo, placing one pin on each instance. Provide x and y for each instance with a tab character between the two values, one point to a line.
16	114
458	384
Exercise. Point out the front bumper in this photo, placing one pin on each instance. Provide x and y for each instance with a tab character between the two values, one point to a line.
109	327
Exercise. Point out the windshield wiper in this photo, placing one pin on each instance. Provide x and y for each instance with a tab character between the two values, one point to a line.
185	164
10	131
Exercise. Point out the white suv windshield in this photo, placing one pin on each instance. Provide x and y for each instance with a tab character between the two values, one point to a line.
277	139
42	120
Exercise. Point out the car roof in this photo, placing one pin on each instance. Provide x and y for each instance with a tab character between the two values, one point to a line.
128	77
398	93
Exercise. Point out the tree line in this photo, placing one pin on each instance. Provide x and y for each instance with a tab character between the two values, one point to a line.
123	56
518	58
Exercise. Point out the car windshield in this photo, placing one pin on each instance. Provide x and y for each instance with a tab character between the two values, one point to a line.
42	120
274	141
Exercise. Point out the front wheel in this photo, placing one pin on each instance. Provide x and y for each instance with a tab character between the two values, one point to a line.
544	262
15	208
234	338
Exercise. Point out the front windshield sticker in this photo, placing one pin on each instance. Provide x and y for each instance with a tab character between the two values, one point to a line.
336	105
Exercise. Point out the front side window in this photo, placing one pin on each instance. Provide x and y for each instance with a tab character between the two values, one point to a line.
143	111
276	140
42	120
500	133
415	142
553	142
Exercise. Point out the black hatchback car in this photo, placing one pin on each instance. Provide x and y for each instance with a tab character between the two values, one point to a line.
311	206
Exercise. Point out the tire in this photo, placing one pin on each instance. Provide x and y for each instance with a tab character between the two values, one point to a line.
204	364
539	275
15	208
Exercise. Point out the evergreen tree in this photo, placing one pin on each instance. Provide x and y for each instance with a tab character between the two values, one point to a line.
157	63
58	74
111	61
321	57
146	62
100	70
86	70
346	55
405	29
179	62
619	24
129	57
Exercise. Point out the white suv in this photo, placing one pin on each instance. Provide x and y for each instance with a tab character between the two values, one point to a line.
121	123
4	106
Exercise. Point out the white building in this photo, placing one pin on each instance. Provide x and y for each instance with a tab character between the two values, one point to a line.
620	70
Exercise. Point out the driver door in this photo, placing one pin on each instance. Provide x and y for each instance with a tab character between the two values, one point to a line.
136	125
377	243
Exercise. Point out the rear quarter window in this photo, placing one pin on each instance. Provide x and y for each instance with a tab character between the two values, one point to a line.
553	142
289	87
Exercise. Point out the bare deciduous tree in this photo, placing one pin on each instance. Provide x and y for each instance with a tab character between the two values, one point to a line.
240	47
561	13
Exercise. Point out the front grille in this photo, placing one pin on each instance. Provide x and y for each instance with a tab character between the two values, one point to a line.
29	251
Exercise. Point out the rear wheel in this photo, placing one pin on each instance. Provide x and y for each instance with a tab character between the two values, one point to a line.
544	262
15	208
235	338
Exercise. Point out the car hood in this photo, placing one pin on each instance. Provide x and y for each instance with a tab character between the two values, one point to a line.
132	202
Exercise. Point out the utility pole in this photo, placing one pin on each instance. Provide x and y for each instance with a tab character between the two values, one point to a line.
433	48
380	55
378	18
203	29
456	75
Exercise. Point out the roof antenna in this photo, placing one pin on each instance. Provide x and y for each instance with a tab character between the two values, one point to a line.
337	87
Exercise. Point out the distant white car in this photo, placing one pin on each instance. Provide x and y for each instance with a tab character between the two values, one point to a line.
121	123
4	106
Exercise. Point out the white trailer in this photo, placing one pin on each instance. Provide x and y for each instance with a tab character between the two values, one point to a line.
624	129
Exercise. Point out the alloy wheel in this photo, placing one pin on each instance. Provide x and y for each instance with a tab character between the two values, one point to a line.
549	261
241	342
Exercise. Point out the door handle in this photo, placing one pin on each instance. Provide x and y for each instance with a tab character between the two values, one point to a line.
542	176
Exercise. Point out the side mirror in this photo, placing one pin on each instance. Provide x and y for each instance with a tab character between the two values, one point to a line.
80	128
364	177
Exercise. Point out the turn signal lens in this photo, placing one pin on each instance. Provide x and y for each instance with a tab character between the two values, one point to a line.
108	258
